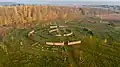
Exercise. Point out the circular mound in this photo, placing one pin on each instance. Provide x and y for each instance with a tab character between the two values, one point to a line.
59	34
40	38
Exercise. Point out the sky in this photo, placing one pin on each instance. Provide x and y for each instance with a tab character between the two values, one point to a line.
65	1
50	0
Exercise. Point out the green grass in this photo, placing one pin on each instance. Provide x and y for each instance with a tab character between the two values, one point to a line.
35	53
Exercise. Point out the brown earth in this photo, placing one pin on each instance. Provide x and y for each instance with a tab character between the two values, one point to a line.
110	17
25	16
29	13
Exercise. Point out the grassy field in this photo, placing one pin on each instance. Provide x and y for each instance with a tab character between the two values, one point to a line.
99	48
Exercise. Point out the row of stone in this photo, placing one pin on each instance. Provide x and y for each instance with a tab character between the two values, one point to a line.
63	43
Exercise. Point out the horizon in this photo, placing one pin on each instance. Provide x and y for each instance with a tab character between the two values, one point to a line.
85	2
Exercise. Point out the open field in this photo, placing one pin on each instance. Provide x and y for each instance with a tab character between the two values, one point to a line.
58	36
26	47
